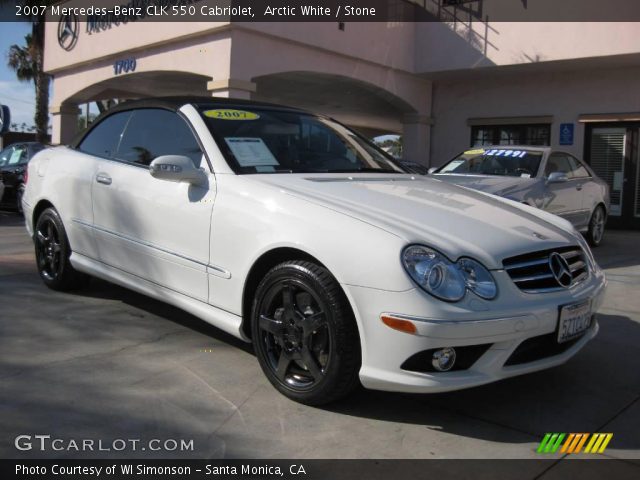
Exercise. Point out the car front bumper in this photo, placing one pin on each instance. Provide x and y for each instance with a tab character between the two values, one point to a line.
500	327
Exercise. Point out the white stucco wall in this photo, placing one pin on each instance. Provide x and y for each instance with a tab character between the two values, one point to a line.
449	47
564	95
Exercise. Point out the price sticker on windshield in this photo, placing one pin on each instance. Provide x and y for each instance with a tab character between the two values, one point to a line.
227	114
506	153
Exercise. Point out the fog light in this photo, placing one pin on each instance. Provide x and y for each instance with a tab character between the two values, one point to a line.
444	359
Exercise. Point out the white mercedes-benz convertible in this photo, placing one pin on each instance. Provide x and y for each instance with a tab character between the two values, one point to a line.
293	232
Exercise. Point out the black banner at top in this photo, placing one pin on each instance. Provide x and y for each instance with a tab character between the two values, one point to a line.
125	11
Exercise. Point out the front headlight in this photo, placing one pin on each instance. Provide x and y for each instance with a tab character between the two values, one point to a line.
444	279
478	279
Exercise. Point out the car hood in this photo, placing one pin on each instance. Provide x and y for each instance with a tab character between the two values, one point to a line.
454	220
510	187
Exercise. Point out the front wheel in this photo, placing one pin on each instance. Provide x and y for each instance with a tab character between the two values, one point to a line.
52	254
596	226
304	333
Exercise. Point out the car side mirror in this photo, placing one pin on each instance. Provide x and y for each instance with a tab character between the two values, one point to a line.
432	170
557	177
177	168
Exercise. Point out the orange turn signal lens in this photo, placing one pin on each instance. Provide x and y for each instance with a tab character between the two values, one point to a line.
399	324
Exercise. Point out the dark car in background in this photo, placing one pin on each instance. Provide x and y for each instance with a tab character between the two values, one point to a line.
13	166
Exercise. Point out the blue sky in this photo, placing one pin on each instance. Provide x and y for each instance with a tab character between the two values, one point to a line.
19	96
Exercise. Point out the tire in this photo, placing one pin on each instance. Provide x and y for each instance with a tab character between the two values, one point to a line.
19	194
597	223
304	334
52	254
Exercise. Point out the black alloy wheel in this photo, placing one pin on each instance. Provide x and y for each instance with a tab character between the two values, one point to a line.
304	333
52	253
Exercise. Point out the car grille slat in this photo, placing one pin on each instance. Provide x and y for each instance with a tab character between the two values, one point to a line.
531	278
529	264
581	277
532	272
571	254
579	265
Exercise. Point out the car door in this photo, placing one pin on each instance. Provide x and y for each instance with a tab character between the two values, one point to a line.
562	198
155	229
82	165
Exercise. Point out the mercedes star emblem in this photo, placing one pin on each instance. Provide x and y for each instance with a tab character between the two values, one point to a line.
560	269
68	30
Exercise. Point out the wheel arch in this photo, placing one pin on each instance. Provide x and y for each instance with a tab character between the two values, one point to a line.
258	270
40	207
604	207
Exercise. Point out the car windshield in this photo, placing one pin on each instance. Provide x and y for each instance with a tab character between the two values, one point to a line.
12	156
495	161
263	140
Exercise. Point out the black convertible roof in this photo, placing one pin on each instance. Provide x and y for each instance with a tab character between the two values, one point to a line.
175	103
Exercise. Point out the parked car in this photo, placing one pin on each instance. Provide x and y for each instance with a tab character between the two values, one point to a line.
289	230
552	180
13	165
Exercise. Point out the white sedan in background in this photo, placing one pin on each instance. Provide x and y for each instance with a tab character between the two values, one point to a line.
554	181
289	230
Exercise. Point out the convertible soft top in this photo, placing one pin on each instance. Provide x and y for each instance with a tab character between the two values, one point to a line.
175	103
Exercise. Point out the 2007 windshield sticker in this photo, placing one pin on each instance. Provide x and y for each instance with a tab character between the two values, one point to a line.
477	151
228	114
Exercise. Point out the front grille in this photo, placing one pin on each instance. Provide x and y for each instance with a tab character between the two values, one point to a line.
532	272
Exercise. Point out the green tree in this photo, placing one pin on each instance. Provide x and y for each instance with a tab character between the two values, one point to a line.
27	62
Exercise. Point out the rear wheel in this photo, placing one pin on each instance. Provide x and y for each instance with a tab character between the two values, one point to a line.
304	333
52	253
596	226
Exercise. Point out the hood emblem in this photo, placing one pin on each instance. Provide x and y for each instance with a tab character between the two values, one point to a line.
560	269
540	236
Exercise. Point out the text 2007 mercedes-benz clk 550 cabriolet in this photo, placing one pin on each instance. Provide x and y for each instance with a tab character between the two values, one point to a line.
291	231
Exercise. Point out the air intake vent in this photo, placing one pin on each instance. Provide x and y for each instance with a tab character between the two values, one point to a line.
548	270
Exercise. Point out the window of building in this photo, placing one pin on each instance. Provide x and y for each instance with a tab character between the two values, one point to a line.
539	134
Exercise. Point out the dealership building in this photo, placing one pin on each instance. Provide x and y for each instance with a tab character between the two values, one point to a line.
443	86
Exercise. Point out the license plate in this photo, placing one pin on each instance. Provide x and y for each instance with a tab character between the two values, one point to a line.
575	319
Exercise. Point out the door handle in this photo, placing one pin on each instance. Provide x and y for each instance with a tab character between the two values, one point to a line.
103	178
579	187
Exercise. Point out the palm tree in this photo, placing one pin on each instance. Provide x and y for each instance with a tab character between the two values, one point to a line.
27	62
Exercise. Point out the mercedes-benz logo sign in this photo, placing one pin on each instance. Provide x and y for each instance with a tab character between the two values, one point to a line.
68	30
560	269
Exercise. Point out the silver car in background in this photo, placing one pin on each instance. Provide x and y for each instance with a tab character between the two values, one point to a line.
551	180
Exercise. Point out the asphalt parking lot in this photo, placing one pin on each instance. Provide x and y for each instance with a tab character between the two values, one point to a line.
106	363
